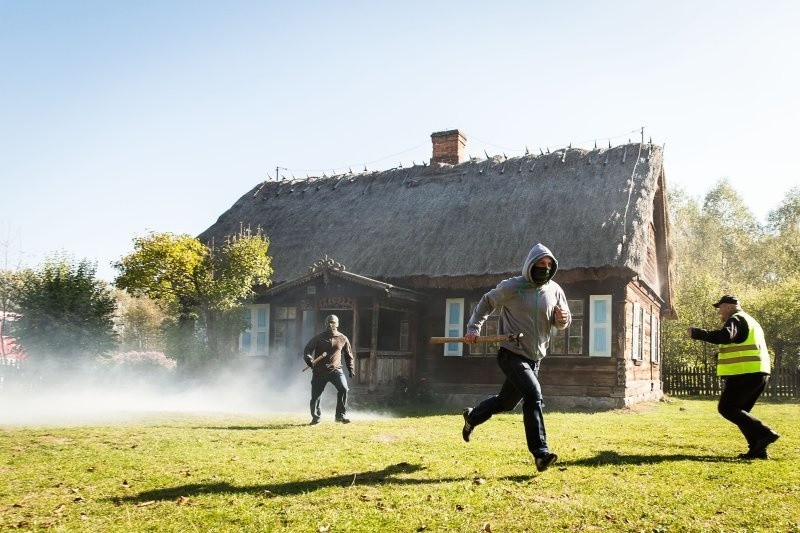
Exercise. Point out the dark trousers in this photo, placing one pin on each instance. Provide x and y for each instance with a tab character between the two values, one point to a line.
522	383
738	397
318	382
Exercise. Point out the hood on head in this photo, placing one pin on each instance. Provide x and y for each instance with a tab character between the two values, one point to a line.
536	253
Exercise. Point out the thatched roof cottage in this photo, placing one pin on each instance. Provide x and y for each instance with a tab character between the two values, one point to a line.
401	255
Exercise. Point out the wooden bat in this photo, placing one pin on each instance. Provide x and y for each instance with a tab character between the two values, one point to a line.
315	361
513	337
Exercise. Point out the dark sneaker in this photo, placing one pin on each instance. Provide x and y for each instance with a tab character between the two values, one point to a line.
754	455
466	431
314	422
761	444
544	462
343	420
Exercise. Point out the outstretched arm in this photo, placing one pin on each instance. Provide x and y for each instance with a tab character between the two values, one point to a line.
734	331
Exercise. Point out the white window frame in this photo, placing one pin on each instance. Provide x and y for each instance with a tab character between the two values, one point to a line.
454	326
654	337
599	332
255	329
636	326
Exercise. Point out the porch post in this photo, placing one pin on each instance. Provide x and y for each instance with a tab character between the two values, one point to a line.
373	348
354	341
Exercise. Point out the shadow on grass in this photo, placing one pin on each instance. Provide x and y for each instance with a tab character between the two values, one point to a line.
609	457
292	488
254	428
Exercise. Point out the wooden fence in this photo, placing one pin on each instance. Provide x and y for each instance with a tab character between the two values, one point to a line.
702	380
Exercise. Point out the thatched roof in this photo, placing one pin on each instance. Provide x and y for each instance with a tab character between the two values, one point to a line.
442	222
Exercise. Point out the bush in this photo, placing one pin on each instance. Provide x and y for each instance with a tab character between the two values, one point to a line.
140	368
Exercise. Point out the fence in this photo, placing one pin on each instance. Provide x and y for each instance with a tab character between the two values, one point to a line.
702	380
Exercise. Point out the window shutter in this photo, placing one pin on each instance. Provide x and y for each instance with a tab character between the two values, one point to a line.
600	325
454	325
257	318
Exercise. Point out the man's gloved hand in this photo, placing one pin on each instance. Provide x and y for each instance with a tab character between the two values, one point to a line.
307	359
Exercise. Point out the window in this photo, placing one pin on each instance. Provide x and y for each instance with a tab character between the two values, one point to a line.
285	327
490	327
309	325
654	338
257	319
569	341
404	332
636	328
600	325
454	325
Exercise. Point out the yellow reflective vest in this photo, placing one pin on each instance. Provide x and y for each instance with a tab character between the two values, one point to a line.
749	357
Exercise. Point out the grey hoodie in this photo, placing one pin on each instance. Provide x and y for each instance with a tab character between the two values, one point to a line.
525	308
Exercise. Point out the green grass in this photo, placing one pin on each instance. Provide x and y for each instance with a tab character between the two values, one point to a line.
662	467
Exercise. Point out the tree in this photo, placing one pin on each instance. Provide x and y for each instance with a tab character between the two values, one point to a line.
141	323
198	284
777	309
728	233
65	314
9	288
782	244
720	248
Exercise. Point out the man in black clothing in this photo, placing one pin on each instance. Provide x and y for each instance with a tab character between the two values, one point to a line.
743	362
324	353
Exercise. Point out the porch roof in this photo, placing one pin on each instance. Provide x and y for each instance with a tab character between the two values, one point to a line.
328	267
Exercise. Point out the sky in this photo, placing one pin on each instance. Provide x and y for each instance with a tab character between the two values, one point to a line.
121	118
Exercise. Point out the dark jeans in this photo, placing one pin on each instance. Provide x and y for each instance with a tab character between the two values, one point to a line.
738	397
318	383
522	383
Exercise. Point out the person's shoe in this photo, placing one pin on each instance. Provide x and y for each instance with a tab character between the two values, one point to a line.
343	420
544	462
761	444
314	422
466	431
751	454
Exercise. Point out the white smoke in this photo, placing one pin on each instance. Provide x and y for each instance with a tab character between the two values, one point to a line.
86	397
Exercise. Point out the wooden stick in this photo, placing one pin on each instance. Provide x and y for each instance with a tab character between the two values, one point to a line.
513	337
315	361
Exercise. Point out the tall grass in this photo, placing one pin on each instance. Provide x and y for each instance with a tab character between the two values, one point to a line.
669	466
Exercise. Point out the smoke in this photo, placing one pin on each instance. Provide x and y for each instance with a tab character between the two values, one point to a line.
54	395
91	393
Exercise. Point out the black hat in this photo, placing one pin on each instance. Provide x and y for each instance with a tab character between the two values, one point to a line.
727	299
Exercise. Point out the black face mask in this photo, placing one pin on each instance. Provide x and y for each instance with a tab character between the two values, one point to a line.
540	275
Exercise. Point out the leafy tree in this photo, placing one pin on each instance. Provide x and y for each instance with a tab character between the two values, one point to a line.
727	233
66	315
777	309
720	248
781	247
198	284
142	322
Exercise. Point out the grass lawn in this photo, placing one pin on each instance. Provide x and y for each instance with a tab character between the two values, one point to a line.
669	466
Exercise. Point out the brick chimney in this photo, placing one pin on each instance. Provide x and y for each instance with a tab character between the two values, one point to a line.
449	147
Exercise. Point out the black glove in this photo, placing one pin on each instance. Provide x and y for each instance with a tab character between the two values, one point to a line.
307	359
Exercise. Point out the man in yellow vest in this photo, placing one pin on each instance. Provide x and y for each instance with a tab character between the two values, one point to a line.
743	362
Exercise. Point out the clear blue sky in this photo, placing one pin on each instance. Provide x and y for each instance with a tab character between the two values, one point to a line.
121	117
